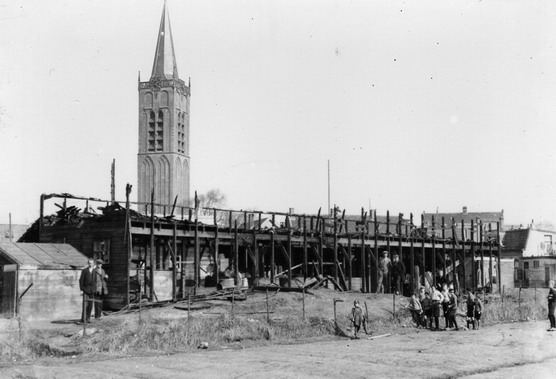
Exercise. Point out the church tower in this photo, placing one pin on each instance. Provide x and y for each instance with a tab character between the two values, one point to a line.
163	158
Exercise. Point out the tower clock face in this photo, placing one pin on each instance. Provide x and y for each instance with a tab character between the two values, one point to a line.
156	83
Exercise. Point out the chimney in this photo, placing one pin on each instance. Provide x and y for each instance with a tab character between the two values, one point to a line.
464	210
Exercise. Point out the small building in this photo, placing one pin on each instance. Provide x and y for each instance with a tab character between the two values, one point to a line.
534	253
40	280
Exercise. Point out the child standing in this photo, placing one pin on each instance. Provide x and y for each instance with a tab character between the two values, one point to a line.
356	317
470	309
478	310
416	309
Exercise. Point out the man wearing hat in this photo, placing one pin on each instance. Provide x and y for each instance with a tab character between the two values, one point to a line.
87	284
101	287
383	267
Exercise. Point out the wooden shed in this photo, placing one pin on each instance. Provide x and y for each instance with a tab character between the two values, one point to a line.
40	280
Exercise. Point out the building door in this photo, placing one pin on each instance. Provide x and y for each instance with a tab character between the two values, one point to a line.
546	275
8	292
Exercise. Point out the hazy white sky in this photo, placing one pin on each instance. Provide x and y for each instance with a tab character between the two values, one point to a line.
417	104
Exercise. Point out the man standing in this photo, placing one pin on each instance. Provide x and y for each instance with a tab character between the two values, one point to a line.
398	272
101	288
87	284
383	267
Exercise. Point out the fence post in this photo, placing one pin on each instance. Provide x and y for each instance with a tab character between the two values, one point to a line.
267	308
519	302
303	291
394	305
233	301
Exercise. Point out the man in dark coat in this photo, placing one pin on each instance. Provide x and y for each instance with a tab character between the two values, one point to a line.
88	284
398	273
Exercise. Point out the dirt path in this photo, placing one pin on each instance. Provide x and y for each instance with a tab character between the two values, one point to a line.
509	350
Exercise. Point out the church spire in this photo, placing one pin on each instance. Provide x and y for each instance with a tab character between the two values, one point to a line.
164	66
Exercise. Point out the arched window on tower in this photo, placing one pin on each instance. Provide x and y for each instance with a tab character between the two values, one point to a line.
151	132
183	135
160	131
180	133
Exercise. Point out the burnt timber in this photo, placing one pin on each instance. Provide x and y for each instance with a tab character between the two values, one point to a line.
170	256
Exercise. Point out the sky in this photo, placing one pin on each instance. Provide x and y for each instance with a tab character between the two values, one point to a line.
417	105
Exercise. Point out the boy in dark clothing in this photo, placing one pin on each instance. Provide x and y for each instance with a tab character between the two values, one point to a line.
478	311
470	309
453	308
356	317
426	304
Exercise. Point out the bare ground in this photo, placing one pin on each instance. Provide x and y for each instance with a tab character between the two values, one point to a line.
517	350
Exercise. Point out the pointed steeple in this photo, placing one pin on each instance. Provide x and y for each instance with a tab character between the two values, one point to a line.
164	66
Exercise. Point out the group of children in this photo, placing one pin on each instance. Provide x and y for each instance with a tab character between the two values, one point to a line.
425	308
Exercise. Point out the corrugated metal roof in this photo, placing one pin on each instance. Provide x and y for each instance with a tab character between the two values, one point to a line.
43	254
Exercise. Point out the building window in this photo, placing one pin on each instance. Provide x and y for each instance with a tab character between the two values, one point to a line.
101	250
526	265
151	132
160	131
536	264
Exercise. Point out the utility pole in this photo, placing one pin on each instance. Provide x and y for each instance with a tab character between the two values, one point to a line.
329	209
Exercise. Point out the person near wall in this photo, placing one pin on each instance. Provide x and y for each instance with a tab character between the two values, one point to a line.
551	305
87	285
101	289
398	273
383	267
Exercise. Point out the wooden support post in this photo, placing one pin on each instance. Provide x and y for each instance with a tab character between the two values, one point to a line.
335	250
197	257
455	280
400	250
433	251
216	256
490	262
236	256
364	287
499	247
388	279
444	273
482	255
472	251
41	217
290	259
230	225
412	256
151	255
377	253
174	263
272	260
245	221
321	253
463	254
423	255
350	272
305	253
